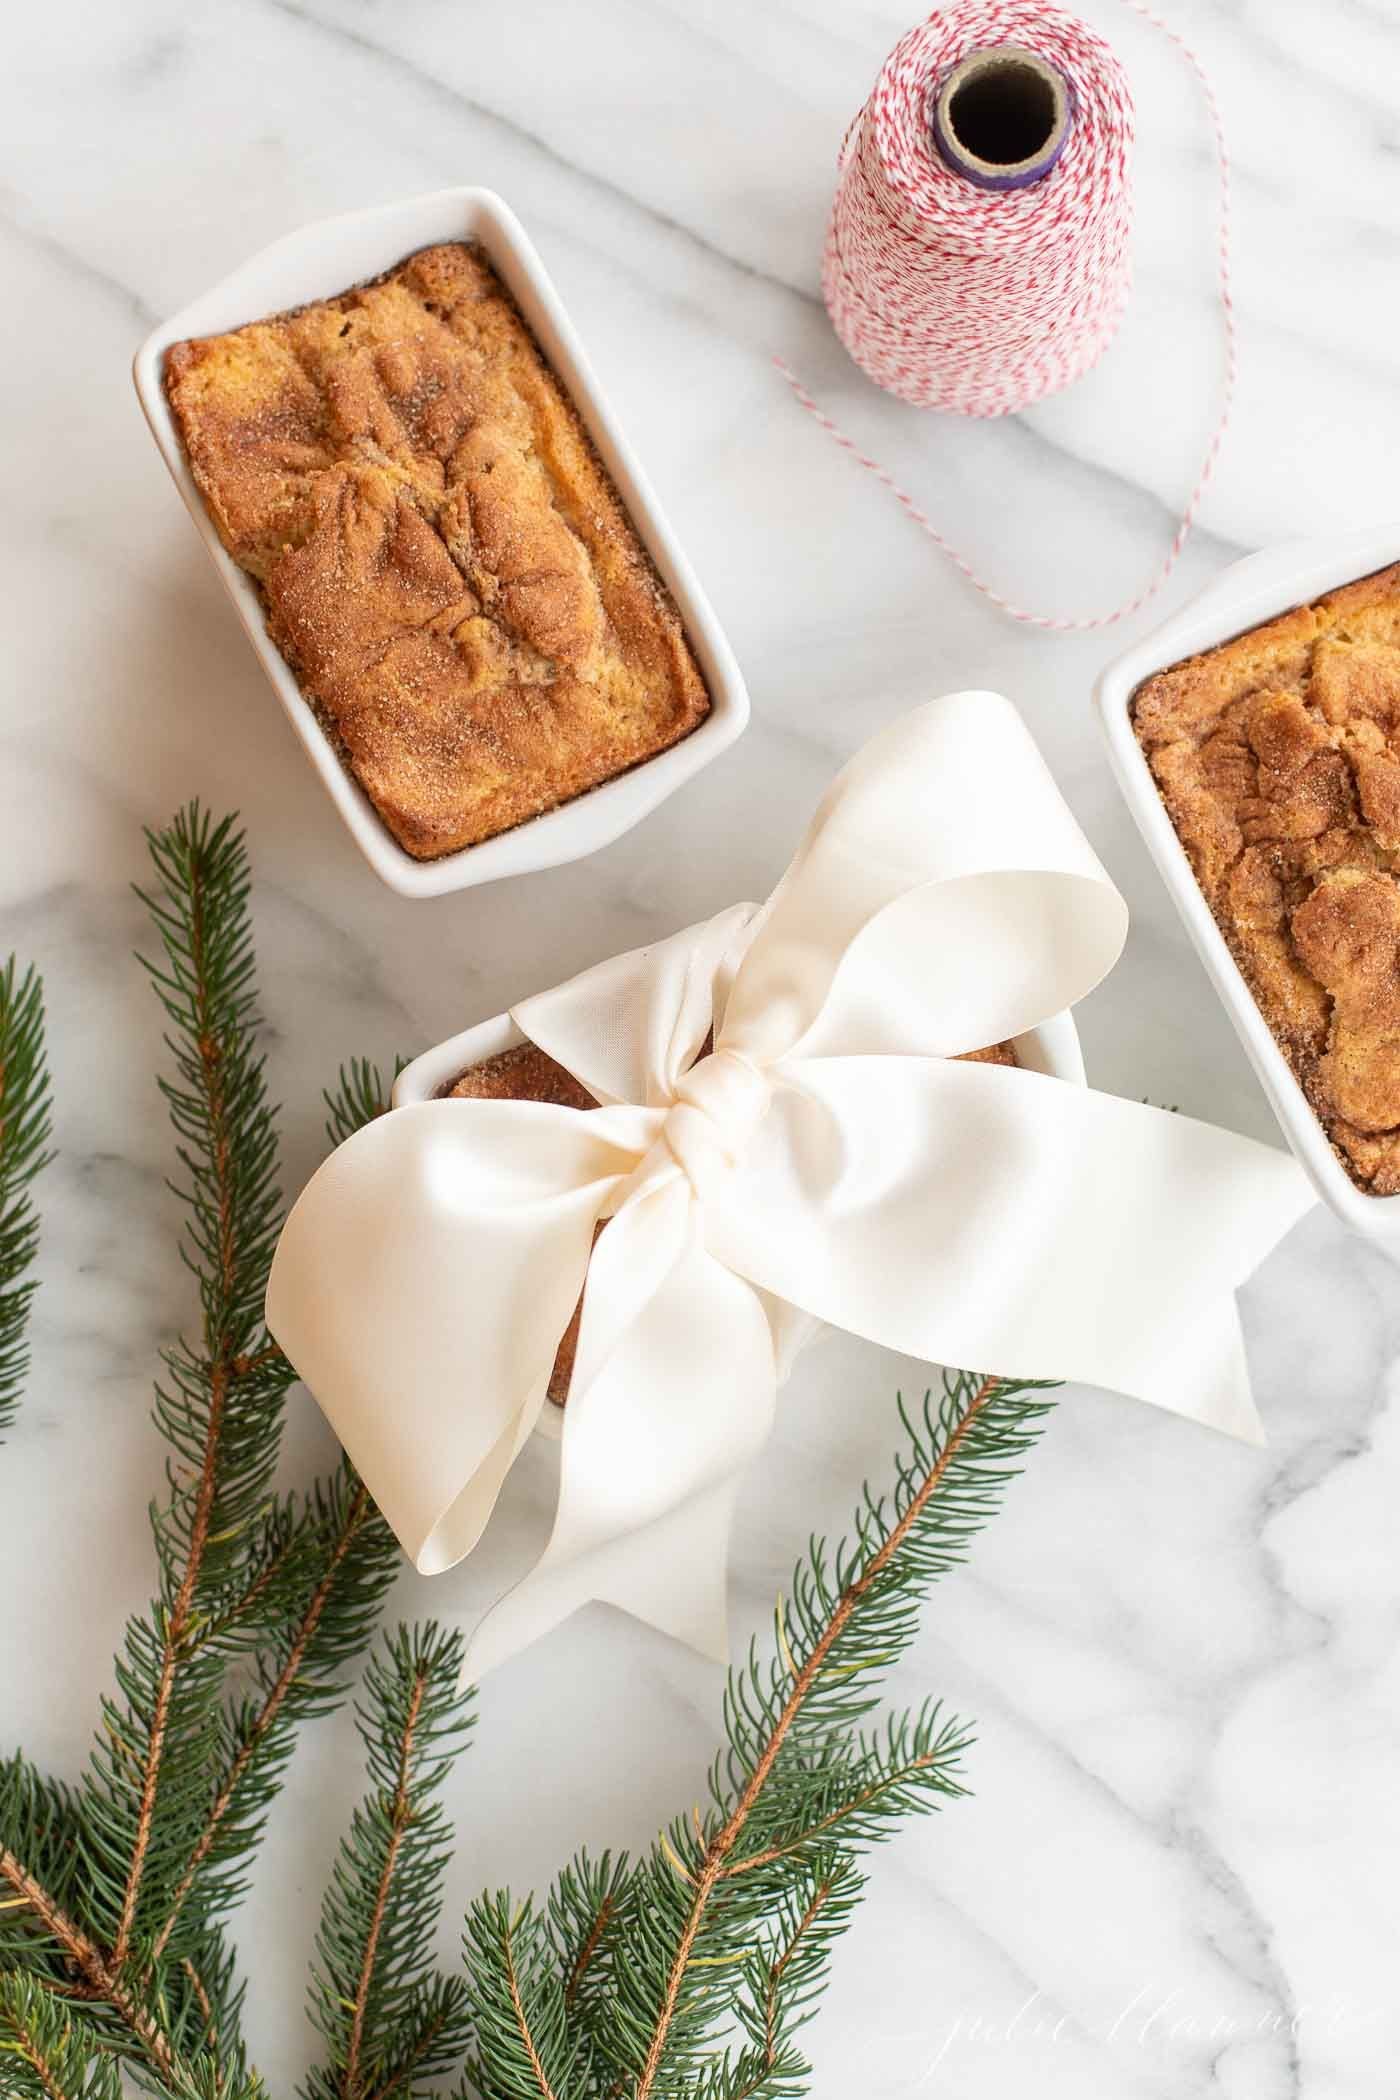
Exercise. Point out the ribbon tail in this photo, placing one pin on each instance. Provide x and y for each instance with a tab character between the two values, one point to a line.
1209	1381
652	1452
672	1574
1006	1221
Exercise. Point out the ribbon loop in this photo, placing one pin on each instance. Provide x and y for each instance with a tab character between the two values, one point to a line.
827	1162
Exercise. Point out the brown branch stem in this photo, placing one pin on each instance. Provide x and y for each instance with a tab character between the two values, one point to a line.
775	1977
587	1951
712	1866
98	1972
400	1816
196	1984
176	1625
522	2021
404	2068
833	1821
221	1361
263	1720
214	1629
246	1366
29	2048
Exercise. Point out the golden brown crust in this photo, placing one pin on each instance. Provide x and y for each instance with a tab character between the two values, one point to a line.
1278	758
994	1054
526	1073
444	562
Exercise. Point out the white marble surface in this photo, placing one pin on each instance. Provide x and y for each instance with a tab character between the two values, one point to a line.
1179	1873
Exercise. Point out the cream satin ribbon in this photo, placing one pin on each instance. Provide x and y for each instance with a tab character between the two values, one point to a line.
828	1162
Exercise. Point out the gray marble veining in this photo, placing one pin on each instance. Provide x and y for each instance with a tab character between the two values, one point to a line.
1178	1876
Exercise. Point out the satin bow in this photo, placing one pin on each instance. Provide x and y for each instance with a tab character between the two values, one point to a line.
829	1161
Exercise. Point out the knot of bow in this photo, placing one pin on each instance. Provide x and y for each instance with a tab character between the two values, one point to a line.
715	1110
785	1137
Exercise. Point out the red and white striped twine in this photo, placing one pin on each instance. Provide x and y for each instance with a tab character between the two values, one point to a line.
983	301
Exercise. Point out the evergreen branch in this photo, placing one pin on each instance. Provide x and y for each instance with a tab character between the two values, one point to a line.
197	2000
356	1563
39	1827
782	1980
46	1936
799	1772
269	1587
711	1866
97	1973
358	1096
874	1788
24	1132
222	1409
202	2000
587	1909
583	1904
795	1946
384	2013
437	2043
115	1894
397	1817
208	2079
527	2049
176	1625
48	2055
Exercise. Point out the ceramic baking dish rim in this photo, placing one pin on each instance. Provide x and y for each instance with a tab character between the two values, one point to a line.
1251	591
320	260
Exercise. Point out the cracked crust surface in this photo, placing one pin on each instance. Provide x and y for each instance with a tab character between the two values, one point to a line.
526	1073
1278	758
441	555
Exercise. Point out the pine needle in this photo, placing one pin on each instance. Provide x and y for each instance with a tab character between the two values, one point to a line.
24	1134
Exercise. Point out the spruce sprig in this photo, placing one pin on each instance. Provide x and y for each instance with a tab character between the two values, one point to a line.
358	1096
389	2019
624	1985
24	1134
122	1885
628	1981
43	2055
346	1558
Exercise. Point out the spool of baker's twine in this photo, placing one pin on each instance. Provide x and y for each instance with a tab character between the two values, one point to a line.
979	252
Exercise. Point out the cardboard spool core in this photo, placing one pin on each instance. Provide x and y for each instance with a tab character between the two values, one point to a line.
1002	117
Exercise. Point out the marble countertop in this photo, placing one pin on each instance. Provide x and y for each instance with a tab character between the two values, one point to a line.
1180	1873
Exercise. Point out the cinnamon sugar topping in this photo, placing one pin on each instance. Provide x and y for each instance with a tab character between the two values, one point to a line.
1278	758
442	558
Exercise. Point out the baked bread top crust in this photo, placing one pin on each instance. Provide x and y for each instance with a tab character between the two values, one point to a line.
1278	758
443	559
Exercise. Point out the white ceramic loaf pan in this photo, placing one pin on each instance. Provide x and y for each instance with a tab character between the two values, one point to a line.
329	257
1052	1048
1253	590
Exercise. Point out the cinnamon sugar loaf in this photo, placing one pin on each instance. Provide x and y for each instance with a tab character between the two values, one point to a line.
1278	758
526	1073
442	558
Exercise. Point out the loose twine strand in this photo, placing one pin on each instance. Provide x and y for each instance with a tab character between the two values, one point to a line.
981	302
